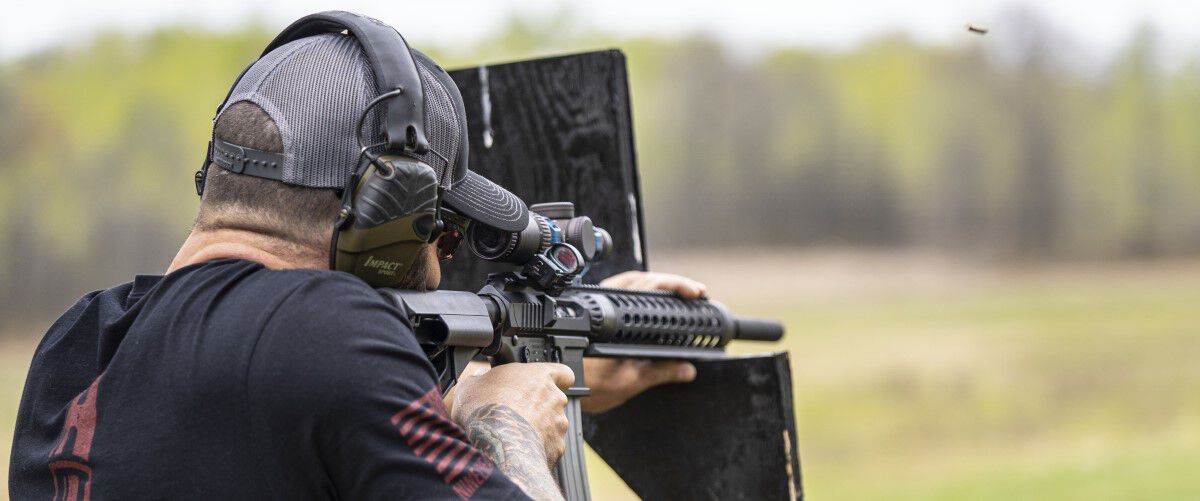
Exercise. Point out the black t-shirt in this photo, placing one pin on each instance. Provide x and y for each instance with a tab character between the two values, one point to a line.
226	380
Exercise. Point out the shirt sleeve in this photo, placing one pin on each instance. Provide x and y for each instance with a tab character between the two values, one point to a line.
338	366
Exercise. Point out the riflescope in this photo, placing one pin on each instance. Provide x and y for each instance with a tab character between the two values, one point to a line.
549	223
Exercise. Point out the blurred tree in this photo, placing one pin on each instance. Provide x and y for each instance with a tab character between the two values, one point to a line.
999	148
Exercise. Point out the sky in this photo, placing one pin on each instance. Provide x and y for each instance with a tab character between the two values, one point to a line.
1099	26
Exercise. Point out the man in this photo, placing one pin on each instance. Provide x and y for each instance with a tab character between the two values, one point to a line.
252	371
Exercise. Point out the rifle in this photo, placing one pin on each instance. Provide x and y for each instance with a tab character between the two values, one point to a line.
541	312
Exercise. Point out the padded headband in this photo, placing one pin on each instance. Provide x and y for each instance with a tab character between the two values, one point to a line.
392	63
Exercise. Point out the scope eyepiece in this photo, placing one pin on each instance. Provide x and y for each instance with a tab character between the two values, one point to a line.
516	247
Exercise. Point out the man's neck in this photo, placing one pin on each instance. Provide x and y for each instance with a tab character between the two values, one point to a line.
271	252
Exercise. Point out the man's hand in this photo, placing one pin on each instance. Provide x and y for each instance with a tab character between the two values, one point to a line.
650	280
515	414
532	392
613	380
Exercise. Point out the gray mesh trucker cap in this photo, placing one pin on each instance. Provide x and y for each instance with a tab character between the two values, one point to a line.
316	88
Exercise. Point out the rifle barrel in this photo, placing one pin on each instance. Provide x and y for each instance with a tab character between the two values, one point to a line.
757	329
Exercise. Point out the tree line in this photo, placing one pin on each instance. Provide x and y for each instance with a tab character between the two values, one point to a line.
994	148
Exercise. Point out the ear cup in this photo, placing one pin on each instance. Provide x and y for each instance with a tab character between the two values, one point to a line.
405	186
393	214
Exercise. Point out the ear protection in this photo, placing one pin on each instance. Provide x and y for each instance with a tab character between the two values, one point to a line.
392	203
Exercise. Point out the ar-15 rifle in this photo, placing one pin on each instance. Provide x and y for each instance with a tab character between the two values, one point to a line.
542	313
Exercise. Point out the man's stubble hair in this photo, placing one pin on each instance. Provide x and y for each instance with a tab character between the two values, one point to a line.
299	217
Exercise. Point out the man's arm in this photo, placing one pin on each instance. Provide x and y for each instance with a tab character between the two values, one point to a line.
510	441
514	414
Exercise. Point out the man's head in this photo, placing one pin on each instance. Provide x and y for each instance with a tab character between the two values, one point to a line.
298	219
302	102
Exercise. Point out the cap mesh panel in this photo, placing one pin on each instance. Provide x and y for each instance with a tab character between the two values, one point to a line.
315	89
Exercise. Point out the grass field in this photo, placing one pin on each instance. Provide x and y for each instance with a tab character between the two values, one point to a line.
922	378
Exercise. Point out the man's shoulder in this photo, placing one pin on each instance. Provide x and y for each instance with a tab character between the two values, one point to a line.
332	342
246	285
89	312
300	280
328	296
252	276
335	313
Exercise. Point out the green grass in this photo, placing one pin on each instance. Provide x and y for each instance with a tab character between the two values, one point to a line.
1041	384
1052	383
1157	473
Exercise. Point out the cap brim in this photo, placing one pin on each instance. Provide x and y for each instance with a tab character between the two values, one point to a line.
481	200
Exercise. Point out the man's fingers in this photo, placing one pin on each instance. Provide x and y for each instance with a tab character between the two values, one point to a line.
476	368
622	280
562	376
685	287
665	372
689	289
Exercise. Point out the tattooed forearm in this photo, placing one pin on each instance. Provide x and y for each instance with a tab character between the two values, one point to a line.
504	436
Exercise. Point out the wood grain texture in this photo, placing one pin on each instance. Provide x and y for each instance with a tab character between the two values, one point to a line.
728	435
559	130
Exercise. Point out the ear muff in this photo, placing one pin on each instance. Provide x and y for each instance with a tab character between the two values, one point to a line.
390	207
392	211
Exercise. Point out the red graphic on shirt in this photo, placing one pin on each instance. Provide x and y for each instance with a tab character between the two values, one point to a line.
69	460
426	426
